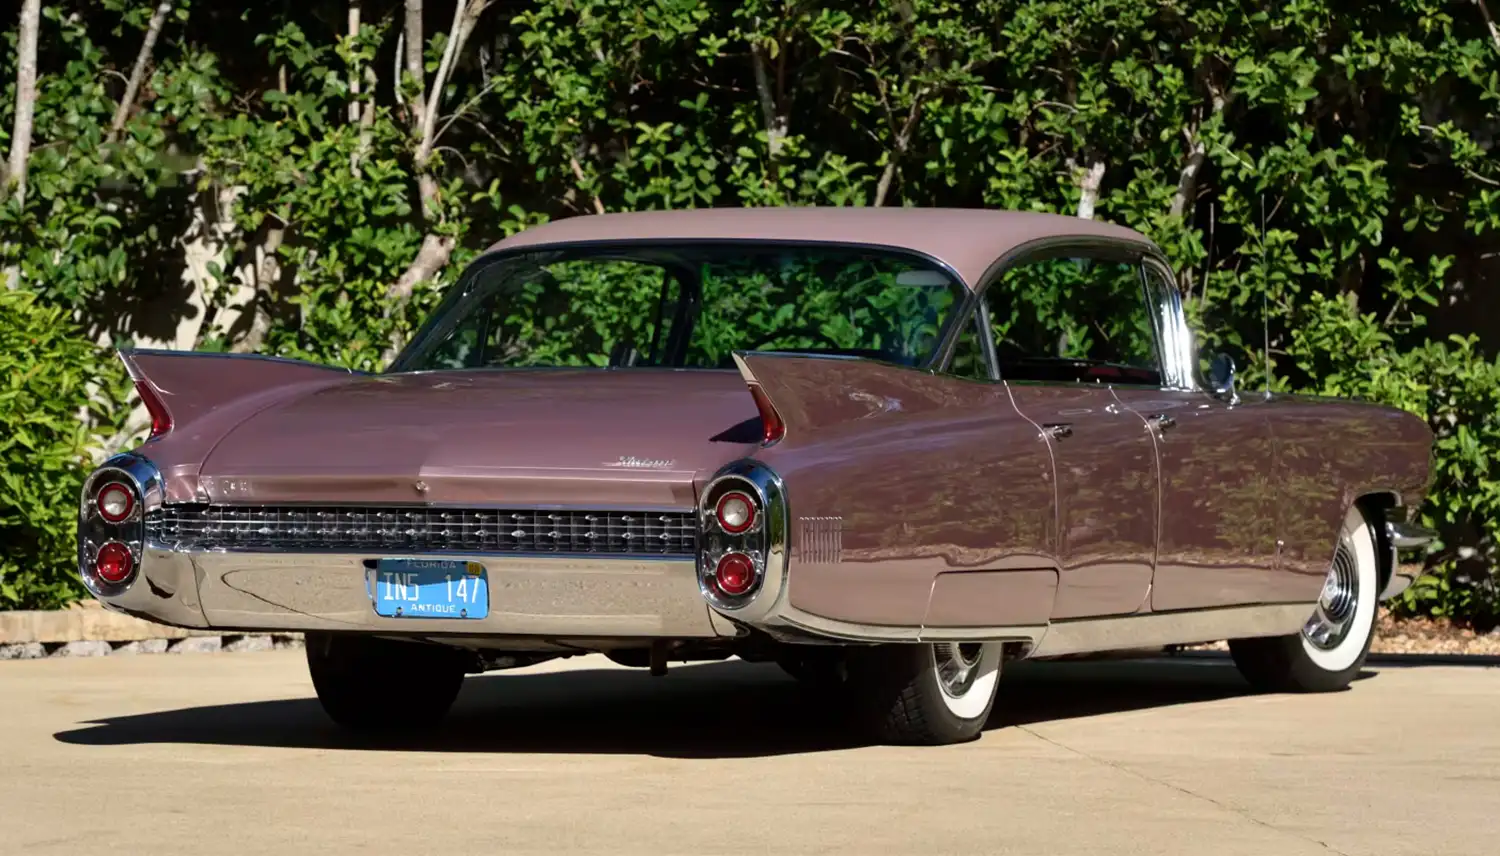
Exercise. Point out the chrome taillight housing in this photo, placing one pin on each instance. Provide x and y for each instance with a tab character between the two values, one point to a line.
112	522
742	544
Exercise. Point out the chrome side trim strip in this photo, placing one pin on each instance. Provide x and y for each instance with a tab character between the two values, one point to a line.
844	631
1155	629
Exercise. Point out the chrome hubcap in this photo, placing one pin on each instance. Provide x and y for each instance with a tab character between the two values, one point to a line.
1334	616
957	666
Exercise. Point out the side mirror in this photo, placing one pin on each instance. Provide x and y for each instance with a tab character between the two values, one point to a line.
1221	378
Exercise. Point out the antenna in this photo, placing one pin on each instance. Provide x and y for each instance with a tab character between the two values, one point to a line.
1265	312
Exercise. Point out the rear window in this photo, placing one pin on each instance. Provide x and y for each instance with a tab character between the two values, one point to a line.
688	306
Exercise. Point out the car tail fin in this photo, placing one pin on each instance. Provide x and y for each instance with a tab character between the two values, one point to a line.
799	394
179	387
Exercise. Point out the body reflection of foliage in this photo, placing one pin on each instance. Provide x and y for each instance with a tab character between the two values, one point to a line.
949	491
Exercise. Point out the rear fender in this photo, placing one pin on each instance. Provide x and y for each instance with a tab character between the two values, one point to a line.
816	395
206	395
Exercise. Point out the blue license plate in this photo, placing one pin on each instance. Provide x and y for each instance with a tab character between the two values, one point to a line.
430	588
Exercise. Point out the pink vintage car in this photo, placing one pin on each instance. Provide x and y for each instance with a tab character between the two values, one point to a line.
887	449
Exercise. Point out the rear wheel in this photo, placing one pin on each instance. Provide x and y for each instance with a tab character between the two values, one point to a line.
370	684
929	694
1334	642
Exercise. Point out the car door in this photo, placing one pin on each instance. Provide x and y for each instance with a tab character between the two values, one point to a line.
1048	336
1218	543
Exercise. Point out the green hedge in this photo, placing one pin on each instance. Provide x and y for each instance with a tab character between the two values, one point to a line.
1321	172
47	371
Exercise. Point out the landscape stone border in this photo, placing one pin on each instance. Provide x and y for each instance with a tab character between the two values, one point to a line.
86	629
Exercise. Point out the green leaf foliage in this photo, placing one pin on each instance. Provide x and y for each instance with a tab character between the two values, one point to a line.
1322	173
56	399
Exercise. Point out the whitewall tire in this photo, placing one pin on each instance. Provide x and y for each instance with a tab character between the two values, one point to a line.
931	693
1333	644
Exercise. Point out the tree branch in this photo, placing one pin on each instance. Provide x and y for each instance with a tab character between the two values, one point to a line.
20	138
1489	23
578	173
138	71
464	108
1197	155
903	141
465	14
776	121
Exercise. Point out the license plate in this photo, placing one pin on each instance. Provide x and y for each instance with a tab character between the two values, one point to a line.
430	588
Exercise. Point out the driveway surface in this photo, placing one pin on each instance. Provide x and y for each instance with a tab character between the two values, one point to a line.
229	754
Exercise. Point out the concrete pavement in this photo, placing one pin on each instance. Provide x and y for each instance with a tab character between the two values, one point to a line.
229	754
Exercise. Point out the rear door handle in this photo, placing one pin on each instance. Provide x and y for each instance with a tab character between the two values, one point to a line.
1058	430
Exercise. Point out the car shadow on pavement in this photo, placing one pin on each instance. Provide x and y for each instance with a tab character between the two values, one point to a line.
720	710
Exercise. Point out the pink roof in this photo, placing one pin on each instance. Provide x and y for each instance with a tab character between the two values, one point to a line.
968	240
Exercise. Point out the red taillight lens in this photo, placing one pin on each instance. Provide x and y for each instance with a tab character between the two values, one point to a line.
115	502
772	429
735	574
735	512
113	563
161	420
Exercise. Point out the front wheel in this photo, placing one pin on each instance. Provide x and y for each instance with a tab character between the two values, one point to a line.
1334	642
932	693
370	684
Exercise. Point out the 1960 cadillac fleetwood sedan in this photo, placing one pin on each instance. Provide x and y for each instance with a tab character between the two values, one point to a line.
890	450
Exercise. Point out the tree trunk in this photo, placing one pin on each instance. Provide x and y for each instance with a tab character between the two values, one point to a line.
413	40
138	71
1088	190
354	75
20	138
436	249
1187	181
266	273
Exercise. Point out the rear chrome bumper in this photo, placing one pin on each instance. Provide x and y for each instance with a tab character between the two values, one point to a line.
530	595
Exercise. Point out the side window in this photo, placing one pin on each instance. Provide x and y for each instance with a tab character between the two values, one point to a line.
1074	319
968	353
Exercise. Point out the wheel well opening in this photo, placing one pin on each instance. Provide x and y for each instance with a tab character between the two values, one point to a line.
1374	507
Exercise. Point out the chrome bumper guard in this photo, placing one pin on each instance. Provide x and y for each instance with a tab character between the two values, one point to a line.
1402	537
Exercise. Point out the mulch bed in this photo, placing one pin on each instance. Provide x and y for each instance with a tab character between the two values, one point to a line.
1417	636
1431	636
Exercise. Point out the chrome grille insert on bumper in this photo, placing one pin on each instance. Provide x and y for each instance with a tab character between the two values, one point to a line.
421	529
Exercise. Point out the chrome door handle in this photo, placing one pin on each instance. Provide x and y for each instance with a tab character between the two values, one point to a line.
1058	430
1163	422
